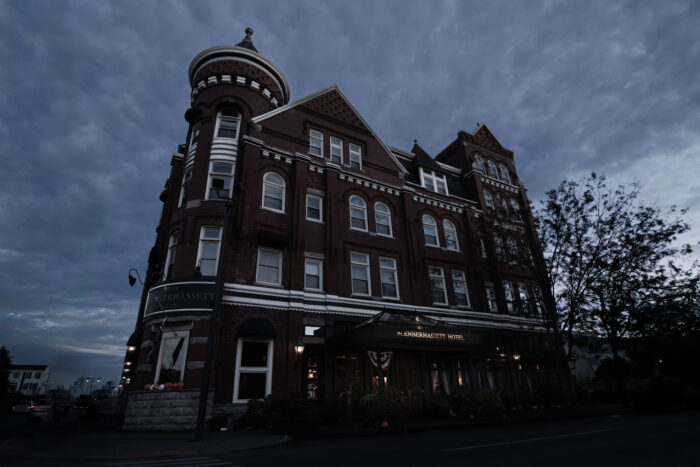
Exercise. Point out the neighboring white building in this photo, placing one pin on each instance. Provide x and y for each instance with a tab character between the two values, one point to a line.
29	379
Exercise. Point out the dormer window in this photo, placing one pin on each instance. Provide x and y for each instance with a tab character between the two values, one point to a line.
493	170
315	143
433	182
505	176
478	164
228	124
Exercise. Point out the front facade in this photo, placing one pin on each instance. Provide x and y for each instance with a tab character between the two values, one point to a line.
29	380
338	246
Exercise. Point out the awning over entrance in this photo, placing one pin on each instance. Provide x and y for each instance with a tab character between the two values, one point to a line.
407	330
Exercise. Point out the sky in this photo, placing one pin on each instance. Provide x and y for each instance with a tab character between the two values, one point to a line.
94	93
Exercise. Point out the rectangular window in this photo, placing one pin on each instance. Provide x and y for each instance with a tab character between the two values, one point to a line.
314	208
316	143
538	300
220	180
313	274
482	247
498	246
491	299
355	156
253	379
437	285
433	182
359	264
269	266
185	190
388	277
228	126
37	375
170	258
524	299
194	137
510	298
459	283
208	254
173	353
336	150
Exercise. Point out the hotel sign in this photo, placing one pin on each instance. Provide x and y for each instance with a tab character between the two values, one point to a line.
432	336
185	296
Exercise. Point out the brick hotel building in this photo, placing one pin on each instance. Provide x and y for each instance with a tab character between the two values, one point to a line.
338	246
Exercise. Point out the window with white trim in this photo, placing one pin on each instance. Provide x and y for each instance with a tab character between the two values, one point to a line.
172	357
524	298
538	300
336	150
170	257
359	269
208	252
450	231
491	298
315	143
493	170
314	208
505	176
195	136
358	213
388	277
273	192
459	284
220	180
515	210
382	218
227	124
185	189
478	164
498	246
488	201
269	267
510	298
437	285
253	378
433	181
502	206
430	231
313	274
355	156
512	246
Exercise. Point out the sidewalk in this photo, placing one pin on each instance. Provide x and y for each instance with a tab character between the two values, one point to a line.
130	445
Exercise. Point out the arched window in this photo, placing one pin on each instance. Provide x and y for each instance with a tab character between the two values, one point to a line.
430	231
502	206
505	176
382	217
488	201
273	192
478	164
358	213
515	210
450	235
493	170
227	124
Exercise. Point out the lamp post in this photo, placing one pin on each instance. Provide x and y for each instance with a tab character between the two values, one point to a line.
218	294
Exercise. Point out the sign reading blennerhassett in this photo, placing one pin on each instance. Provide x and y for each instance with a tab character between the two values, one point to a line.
189	296
433	336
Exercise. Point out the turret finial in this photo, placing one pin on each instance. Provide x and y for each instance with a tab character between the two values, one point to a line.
248	33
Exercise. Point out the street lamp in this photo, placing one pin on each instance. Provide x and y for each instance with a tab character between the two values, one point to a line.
132	279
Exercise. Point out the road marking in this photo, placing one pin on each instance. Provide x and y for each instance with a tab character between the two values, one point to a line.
182	461
529	440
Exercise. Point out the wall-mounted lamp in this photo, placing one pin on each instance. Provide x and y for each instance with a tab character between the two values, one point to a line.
132	279
299	349
130	348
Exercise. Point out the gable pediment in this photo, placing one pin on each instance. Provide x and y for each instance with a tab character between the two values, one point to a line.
332	104
484	138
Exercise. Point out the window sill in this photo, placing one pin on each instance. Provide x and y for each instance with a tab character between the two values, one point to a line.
385	236
358	230
306	289
451	249
317	221
433	246
268	284
272	210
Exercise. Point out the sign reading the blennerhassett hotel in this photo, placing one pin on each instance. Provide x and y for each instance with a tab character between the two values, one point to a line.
433	336
171	297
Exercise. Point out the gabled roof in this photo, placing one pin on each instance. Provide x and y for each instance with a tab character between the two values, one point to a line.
353	112
423	159
484	138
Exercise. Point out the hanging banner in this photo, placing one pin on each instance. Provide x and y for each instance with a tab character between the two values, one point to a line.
383	357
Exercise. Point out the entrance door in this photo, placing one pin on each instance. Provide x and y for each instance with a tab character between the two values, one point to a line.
409	382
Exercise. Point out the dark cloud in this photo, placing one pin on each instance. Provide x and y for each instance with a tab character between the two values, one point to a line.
94	95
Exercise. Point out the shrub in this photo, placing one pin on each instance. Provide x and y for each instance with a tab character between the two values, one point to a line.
378	408
440	407
488	404
462	401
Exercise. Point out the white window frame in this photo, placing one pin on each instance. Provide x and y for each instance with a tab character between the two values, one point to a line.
430	225
186	177
194	137
318	263
355	161
510	296
392	269
429	181
482	247
316	137
360	264
362	208
512	249
460	276
523	295
515	209
202	241
253	369
279	266
441	277
478	164
492	169
491	301
538	298
336	150
221	116
449	226
505	175
183	351
266	183
221	175
170	256
320	208
488	201
378	213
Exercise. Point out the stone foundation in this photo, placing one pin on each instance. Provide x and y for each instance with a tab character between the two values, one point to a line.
164	410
